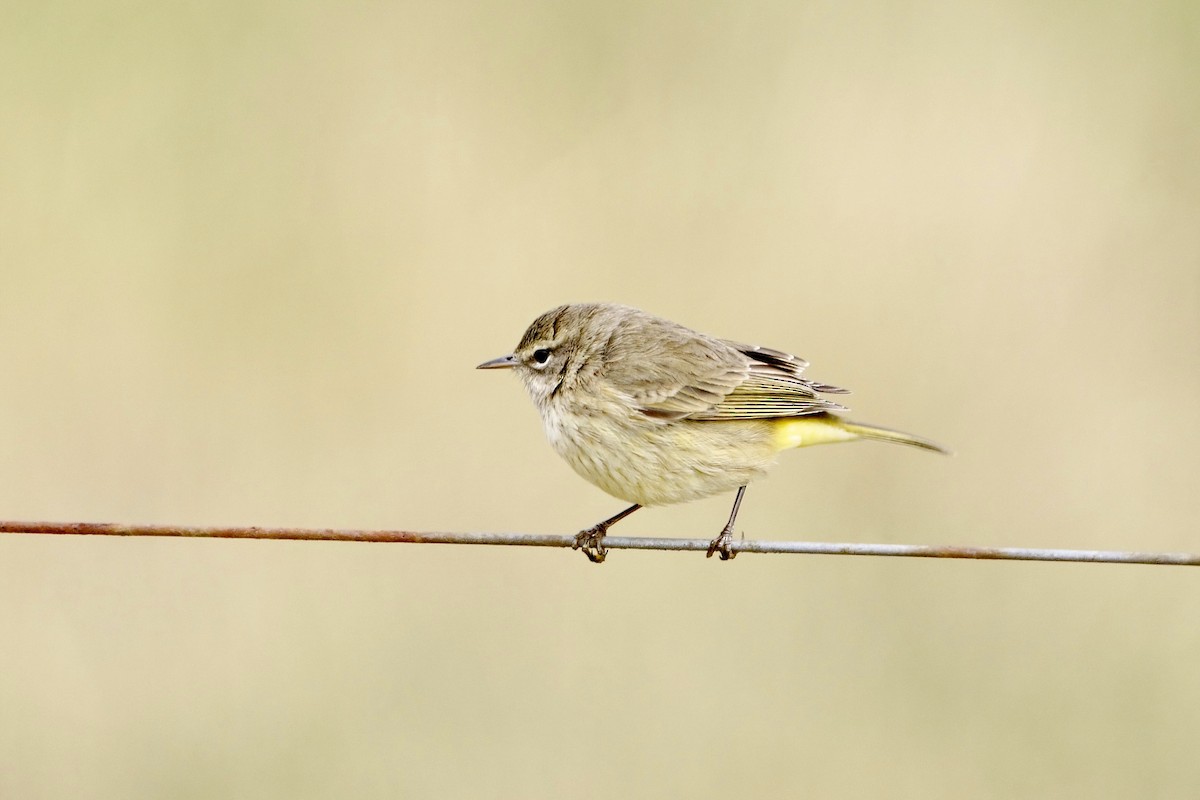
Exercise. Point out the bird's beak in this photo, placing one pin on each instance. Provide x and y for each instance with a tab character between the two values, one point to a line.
503	362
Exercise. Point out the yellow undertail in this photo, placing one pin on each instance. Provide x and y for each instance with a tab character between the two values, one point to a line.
827	428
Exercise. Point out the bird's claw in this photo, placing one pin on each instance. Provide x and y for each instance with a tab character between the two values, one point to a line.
591	542
722	546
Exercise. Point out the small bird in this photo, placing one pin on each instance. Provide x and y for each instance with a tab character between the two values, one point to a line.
655	413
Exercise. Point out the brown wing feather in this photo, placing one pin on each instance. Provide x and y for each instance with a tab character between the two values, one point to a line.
672	372
774	387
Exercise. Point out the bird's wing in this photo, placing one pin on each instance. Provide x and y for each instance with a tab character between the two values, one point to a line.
773	387
670	372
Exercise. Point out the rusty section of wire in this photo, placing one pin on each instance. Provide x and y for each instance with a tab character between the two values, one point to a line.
611	542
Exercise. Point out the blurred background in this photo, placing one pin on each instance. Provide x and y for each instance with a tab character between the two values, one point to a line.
251	252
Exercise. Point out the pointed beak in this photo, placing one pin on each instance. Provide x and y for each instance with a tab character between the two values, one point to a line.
503	362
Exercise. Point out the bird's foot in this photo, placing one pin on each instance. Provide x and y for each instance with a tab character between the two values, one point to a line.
591	542
722	545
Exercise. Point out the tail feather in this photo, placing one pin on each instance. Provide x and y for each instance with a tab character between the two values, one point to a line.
825	428
888	435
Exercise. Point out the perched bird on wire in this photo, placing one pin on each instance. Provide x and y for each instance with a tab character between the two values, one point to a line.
655	413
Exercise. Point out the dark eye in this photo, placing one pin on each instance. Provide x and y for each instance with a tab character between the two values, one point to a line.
541	355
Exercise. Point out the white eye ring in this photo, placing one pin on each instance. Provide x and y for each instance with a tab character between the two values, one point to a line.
541	357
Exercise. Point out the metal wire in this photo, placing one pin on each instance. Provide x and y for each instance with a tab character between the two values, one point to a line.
610	542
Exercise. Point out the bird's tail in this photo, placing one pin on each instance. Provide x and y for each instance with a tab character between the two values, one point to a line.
888	435
825	428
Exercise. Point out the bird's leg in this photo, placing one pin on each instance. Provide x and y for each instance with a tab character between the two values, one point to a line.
723	544
592	540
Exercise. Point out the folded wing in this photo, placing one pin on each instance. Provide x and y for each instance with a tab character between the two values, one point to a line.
672	372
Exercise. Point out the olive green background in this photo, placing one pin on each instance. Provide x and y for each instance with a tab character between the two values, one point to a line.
251	252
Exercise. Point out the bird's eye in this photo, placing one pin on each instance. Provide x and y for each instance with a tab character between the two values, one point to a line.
541	355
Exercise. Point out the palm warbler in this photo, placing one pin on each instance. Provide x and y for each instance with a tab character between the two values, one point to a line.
655	413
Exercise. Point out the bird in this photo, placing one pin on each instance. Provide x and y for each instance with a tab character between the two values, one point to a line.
655	413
